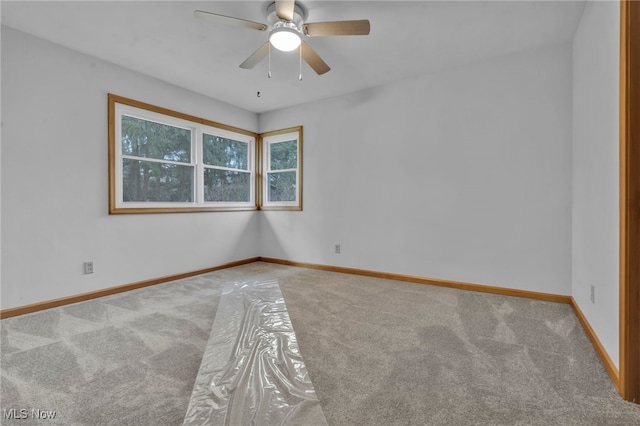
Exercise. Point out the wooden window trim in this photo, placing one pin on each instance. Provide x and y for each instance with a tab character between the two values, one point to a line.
113	207
263	168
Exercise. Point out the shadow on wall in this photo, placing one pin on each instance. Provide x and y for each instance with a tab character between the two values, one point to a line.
269	242
361	97
249	242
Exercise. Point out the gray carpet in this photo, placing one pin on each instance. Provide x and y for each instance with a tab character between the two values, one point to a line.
127	359
378	352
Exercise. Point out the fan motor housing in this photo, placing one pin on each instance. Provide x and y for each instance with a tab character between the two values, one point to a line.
299	15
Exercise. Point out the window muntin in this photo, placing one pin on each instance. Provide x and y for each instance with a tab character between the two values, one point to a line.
224	152
226	186
282	187
282	164
157	164
155	181
150	139
227	175
164	161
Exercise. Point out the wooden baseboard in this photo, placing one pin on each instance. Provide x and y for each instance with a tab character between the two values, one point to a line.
599	348
27	309
431	281
609	366
602	353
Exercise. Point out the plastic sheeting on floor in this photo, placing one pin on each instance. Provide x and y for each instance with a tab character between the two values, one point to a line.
252	372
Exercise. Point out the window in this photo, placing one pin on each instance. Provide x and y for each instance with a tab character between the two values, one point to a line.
164	161
282	169
227	170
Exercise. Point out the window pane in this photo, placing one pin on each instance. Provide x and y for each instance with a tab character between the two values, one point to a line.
284	155
227	185
148	139
224	152
282	186
156	182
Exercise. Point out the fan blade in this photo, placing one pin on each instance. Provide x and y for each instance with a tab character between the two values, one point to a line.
256	56
337	28
311	57
228	20
284	9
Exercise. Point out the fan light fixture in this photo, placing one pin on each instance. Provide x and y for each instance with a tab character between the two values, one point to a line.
287	20
285	36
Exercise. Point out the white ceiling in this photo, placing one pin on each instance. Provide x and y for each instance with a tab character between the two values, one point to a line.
164	40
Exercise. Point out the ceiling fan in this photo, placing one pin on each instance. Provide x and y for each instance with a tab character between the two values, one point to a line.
287	22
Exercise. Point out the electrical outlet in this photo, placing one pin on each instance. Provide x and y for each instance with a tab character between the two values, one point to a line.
593	294
337	249
88	267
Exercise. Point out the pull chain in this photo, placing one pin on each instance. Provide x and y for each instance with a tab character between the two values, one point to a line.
300	77
269	60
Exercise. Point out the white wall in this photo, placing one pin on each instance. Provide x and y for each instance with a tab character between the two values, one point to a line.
595	262
54	180
461	175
